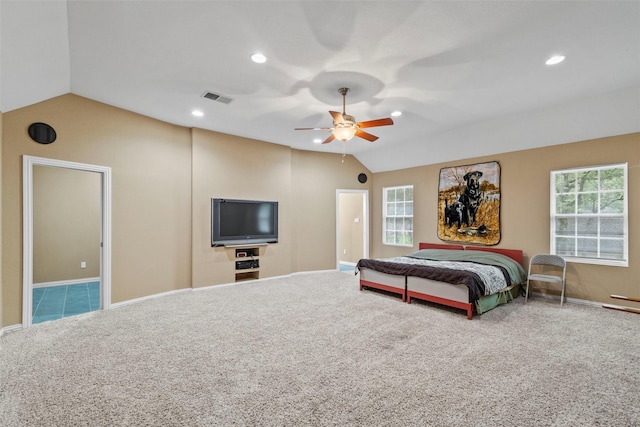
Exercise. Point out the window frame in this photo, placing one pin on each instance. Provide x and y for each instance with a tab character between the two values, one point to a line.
385	192
624	262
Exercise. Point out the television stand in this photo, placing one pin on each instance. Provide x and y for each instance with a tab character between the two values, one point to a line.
247	261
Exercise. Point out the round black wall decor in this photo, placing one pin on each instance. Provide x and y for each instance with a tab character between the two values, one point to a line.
42	133
362	178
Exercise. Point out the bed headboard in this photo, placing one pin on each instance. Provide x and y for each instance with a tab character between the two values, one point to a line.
514	254
440	246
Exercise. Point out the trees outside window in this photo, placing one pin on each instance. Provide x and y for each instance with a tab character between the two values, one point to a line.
589	214
398	215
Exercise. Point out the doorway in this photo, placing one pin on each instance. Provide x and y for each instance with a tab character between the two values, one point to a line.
50	273
352	231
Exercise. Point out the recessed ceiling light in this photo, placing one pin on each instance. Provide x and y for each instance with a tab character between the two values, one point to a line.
317	141
396	113
555	60
197	113
258	58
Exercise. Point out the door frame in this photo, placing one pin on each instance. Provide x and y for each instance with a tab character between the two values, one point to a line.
28	162
365	223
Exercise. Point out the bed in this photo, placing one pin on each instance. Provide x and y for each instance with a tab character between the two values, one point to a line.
469	278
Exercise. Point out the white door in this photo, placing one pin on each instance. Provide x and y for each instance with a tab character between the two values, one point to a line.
103	240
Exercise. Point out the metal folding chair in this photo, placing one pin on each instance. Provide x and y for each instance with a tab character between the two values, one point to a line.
543	260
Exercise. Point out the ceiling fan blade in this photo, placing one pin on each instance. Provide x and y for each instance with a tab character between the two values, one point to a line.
364	135
337	117
312	129
329	139
373	123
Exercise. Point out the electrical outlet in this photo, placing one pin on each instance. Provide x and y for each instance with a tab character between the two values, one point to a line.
344	252
83	264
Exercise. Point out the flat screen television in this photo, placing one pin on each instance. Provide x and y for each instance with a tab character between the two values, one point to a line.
243	222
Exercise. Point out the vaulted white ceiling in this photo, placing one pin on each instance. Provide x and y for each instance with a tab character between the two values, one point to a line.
470	77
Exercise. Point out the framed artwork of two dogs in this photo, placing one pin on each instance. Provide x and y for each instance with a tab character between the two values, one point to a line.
469	204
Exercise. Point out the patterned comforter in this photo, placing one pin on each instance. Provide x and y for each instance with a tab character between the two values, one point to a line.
483	273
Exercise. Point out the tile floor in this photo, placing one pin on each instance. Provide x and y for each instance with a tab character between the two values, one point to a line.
347	267
56	302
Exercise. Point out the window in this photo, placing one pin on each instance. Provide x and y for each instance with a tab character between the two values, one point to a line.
589	214
398	215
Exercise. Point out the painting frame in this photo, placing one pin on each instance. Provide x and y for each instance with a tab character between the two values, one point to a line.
469	204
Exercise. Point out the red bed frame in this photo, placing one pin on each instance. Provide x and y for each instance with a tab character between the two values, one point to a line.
408	294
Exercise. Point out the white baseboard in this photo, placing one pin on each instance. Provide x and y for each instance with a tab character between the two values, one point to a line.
148	297
303	273
246	282
66	282
222	285
242	282
11	328
567	300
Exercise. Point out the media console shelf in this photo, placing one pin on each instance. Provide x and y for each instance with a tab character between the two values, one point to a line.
249	245
247	259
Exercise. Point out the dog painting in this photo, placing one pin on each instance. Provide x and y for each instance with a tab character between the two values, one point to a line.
470	197
469	204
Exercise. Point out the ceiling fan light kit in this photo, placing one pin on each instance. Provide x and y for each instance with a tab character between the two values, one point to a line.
345	126
344	132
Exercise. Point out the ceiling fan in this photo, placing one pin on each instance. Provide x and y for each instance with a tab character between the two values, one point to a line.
345	126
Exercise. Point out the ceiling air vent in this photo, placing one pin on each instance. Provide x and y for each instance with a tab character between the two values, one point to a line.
216	97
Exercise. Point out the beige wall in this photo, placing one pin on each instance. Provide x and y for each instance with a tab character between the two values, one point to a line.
525	215
315	179
238	168
66	224
303	182
151	214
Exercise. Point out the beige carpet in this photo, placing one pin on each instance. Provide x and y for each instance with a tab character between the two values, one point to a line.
314	350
